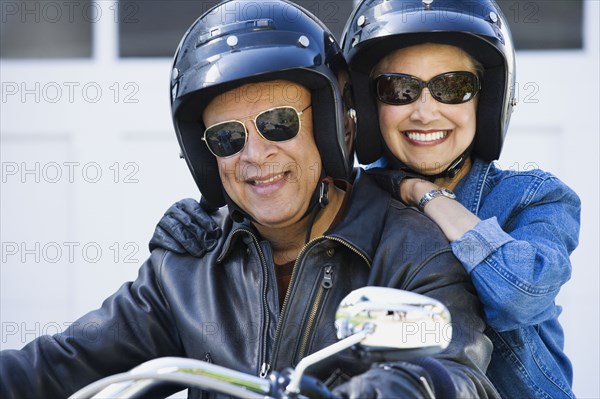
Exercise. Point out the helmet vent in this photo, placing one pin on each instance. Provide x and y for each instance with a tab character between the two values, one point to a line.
361	21
303	41
236	27
232	41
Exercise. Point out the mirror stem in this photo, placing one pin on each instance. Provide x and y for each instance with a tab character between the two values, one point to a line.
294	385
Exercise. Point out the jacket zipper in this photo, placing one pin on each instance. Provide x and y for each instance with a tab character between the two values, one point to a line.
287	297
326	284
314	309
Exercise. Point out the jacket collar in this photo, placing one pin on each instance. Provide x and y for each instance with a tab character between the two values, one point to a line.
469	190
365	215
366	208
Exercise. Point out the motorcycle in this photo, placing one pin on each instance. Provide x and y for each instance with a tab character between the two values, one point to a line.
379	324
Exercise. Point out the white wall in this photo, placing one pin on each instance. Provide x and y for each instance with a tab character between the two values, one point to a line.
556	127
90	163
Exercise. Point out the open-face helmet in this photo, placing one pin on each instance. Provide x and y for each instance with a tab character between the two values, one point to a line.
239	42
378	27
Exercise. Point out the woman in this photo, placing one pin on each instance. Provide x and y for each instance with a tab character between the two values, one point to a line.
436	89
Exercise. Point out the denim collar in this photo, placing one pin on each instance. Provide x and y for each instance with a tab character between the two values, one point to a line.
469	190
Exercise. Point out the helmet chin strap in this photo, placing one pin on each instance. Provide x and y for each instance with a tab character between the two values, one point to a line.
450	172
319	200
321	203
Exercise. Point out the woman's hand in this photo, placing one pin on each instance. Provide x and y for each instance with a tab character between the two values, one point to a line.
412	190
453	218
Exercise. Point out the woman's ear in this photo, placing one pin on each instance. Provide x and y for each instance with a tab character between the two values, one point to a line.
349	128
350	113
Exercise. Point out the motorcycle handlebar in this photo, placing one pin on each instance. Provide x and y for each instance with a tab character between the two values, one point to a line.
186	371
369	317
199	374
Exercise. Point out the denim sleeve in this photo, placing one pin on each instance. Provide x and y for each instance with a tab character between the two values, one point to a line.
519	261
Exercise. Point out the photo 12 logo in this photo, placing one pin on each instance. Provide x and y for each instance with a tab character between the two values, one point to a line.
55	12
69	172
69	92
69	252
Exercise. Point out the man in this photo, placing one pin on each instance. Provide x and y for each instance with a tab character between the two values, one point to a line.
259	112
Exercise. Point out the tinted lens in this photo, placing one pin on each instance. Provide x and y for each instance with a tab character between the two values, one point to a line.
226	139
397	89
448	88
278	124
454	87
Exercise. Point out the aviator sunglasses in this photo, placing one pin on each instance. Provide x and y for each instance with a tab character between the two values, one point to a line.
277	124
448	88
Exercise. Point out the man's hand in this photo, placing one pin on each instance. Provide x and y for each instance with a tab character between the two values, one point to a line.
387	381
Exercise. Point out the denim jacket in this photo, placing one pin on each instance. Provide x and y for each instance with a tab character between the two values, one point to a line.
518	258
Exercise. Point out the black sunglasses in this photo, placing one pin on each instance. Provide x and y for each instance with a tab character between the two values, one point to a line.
448	88
228	138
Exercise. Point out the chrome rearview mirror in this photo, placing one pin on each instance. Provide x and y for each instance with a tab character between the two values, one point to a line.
402	324
384	324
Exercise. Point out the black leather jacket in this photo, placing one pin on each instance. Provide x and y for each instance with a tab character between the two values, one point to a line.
223	307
